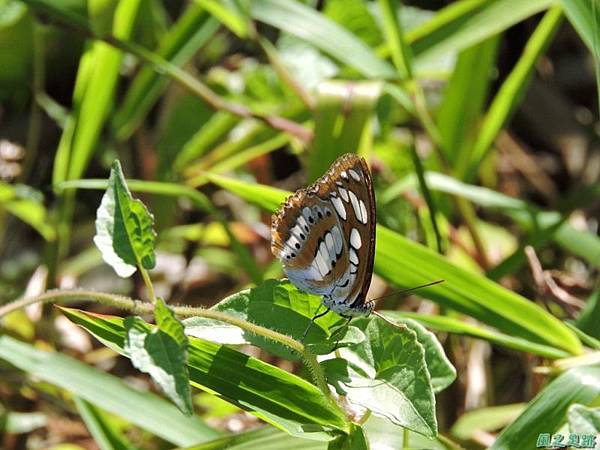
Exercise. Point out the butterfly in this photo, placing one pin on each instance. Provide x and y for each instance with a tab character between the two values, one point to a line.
324	235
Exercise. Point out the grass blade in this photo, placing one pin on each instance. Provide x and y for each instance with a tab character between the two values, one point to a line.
160	417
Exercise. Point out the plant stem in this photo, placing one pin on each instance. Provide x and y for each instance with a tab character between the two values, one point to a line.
405	438
140	307
148	283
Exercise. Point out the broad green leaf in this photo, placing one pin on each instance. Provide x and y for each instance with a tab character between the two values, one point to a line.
354	15
488	419
318	30
107	392
463	328
388	375
407	264
440	368
513	89
162	353
584	420
124	233
278	306
463	24
548	410
16	32
105	435
272	394
191	31
343	111
26	204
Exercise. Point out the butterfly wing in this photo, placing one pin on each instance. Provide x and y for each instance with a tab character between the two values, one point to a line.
325	236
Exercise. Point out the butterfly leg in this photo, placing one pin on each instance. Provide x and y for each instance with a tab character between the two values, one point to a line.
312	320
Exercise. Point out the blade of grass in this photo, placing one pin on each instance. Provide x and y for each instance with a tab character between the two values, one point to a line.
463	24
343	110
401	53
107	392
191	31
462	328
512	90
323	33
106	436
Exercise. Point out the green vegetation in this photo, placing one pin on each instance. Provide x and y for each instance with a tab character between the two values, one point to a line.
144	146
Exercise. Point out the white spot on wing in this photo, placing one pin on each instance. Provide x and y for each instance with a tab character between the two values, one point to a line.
344	175
354	175
356	207
363	211
320	263
355	240
343	193
337	237
353	257
339	207
330	244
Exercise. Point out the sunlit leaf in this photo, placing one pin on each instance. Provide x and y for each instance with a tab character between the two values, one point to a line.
124	233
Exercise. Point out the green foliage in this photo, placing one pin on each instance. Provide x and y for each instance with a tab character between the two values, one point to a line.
124	231
161	352
209	95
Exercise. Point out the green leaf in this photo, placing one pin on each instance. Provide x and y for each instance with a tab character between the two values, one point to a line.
321	32
584	420
27	204
463	24
485	419
272	394
162	353
192	30
281	307
401	52
124	233
229	13
464	99
584	15
355	440
407	264
93	95
388	375
462	328
266	438
107	392
440	368
105	434
589	317
343	111
548	410
512	90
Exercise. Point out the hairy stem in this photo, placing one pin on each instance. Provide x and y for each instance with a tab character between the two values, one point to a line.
140	307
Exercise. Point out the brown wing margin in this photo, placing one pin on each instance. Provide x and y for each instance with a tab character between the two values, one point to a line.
372	230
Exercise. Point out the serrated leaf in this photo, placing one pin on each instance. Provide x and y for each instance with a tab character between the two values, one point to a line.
124	232
276	305
440	368
162	353
388	375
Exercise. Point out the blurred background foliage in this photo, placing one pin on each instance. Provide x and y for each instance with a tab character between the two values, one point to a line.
479	119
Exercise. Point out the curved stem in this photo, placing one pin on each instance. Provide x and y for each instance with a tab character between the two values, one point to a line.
139	307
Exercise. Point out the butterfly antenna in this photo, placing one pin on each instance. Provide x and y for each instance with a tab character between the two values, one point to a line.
433	283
